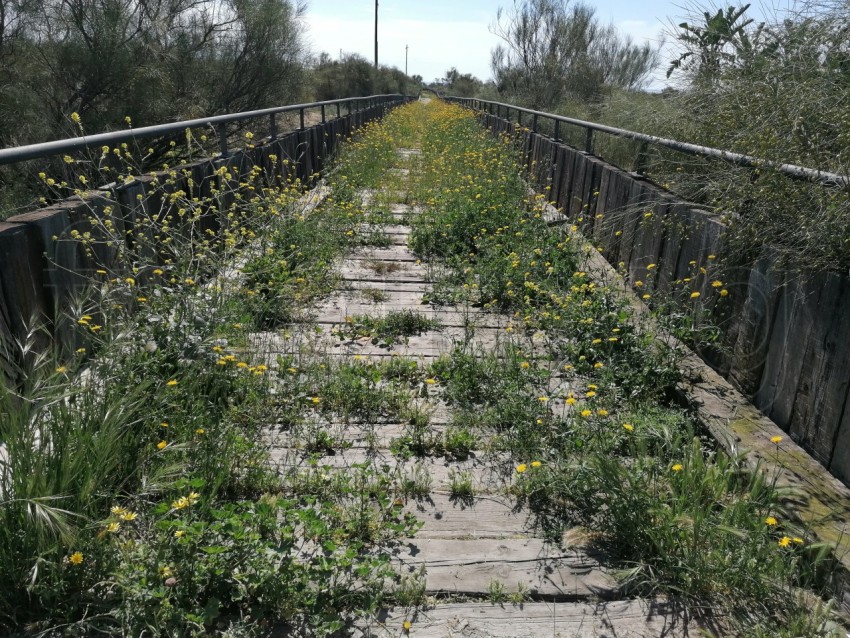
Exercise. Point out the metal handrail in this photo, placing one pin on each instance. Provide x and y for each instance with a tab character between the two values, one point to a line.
219	122
739	159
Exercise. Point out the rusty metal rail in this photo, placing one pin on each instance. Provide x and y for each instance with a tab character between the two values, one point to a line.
217	122
500	109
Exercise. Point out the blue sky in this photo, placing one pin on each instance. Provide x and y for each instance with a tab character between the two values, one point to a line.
446	33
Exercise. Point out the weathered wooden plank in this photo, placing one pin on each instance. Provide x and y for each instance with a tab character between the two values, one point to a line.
637	618
786	353
648	235
478	517
470	567
632	212
748	321
840	462
590	191
64	267
581	165
825	375
675	224
488	475
24	301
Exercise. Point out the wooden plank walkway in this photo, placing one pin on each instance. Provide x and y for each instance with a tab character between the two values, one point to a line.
476	553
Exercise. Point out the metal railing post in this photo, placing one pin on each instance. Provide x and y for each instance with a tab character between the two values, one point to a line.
557	136
272	126
301	117
323	113
588	141
338	110
534	123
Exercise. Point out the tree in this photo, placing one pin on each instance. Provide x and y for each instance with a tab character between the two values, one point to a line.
152	60
353	76
722	39
554	50
461	84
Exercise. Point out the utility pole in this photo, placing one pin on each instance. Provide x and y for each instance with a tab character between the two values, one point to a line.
376	34
406	47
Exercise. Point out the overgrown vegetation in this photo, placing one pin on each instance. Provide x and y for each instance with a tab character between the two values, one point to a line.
576	394
554	51
137	494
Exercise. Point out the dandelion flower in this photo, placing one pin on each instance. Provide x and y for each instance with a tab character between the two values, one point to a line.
76	558
61	369
677	467
406	625
179	533
694	295
770	521
522	467
173	382
431	381
128	516
161	445
586	413
785	541
628	427
536	464
113	527
316	400
776	439
543	399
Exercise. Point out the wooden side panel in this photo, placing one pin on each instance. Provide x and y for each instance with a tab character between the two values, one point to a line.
24	305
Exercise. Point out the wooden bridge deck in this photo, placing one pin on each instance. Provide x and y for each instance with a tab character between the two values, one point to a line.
472	547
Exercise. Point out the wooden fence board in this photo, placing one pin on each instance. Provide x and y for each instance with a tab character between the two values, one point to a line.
825	372
24	302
